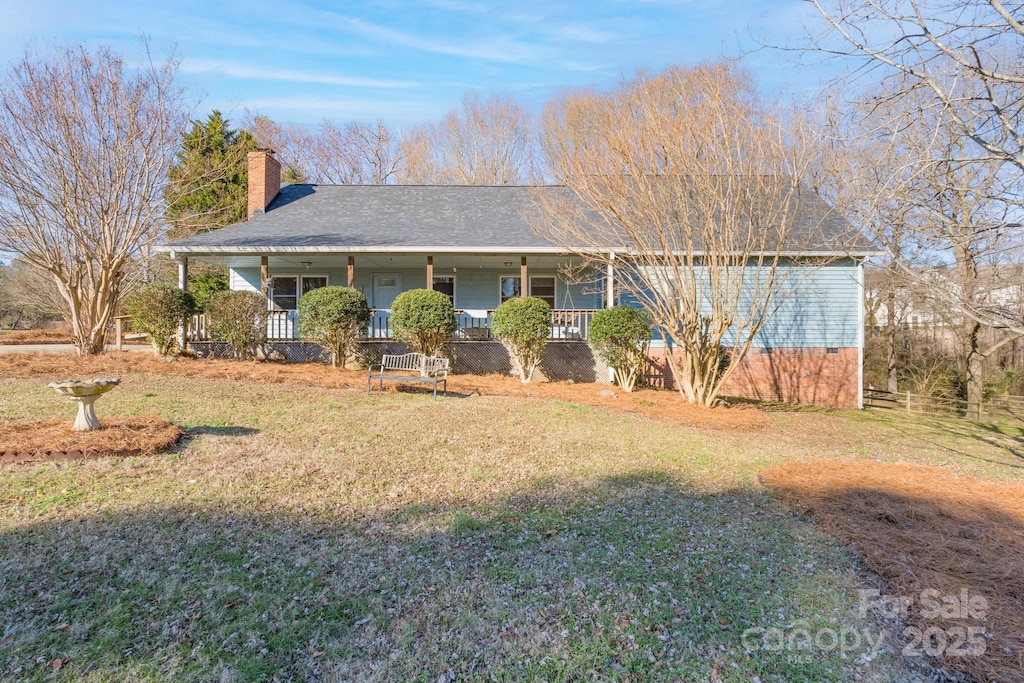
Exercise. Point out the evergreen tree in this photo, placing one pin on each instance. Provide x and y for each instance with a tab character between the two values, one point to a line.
207	184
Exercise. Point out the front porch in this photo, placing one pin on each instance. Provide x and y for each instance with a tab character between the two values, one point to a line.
472	325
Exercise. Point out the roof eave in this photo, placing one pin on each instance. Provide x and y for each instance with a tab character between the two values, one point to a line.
186	250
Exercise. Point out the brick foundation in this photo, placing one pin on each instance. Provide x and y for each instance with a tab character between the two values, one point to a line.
806	376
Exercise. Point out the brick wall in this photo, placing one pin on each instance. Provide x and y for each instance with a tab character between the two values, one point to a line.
807	376
264	180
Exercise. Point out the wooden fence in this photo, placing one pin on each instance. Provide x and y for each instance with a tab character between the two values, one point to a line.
1003	407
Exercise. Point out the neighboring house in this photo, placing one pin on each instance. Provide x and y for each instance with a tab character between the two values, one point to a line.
917	301
474	244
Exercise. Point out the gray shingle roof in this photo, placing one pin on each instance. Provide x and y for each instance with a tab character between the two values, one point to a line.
393	217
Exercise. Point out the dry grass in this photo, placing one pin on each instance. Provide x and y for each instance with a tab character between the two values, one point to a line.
54	440
306	531
58	335
661	405
921	528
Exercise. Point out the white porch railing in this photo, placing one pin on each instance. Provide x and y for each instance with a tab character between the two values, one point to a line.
471	325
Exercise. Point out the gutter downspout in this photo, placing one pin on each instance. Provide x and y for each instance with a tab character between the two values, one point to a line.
860	335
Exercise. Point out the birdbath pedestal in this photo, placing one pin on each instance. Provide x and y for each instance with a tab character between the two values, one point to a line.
84	392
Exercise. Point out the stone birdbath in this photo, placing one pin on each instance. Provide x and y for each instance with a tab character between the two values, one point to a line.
84	392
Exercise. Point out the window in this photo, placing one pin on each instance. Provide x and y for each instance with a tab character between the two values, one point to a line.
509	286
285	290
446	285
284	294
311	282
543	288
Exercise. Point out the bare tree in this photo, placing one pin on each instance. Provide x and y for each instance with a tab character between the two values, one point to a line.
945	211
85	144
352	153
958	63
28	297
486	142
688	185
289	143
961	52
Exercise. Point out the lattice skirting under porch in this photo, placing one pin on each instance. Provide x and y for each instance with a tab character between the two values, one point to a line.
563	360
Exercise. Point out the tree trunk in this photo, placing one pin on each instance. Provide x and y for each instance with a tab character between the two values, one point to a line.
974	362
890	334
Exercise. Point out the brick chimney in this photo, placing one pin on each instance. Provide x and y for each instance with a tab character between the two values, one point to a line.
264	180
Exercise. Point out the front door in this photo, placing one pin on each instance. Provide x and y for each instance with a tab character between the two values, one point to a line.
386	286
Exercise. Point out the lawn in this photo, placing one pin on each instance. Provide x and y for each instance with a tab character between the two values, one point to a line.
314	533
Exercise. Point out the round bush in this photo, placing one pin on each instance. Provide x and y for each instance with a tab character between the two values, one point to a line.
238	318
335	317
620	336
424	319
523	324
159	310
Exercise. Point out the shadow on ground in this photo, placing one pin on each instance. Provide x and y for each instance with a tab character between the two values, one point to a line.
633	577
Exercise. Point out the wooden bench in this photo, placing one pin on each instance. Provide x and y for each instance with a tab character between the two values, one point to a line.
409	367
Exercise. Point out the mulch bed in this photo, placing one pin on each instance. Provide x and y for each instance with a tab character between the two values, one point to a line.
54	440
923	527
657	404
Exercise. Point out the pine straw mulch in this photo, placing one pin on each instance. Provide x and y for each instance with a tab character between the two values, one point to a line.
924	527
57	335
54	440
657	404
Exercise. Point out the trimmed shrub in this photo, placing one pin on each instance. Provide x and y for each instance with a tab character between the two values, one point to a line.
620	336
522	324
336	317
159	310
238	318
424	319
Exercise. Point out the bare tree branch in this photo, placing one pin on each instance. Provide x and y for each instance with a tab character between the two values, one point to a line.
689	185
85	144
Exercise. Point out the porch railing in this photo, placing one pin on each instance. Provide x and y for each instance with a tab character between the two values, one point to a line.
471	325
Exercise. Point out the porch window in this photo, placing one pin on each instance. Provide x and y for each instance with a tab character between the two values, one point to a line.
543	288
285	292
284	295
509	287
446	285
311	282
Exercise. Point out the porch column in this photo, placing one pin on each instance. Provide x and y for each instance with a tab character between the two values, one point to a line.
351	271
430	272
522	277
264	276
609	287
183	286
609	281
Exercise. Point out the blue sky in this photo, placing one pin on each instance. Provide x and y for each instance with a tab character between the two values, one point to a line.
410	62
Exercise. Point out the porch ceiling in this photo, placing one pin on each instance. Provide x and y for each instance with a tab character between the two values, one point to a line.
320	261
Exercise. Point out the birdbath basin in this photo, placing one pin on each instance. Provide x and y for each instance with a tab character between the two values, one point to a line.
84	392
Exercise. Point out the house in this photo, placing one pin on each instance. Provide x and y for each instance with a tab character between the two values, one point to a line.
474	244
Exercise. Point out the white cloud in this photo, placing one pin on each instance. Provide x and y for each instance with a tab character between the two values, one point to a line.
494	48
583	34
235	70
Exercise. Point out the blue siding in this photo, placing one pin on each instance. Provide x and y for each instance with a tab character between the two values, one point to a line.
244	279
819	307
822	311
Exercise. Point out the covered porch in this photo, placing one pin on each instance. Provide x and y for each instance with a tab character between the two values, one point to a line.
476	282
